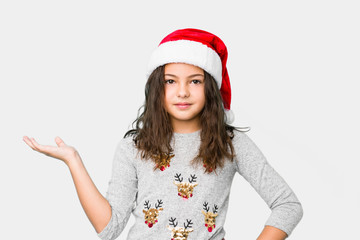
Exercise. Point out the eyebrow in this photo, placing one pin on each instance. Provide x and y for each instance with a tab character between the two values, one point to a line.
191	76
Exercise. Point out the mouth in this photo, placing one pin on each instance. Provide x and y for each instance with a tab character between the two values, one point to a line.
183	105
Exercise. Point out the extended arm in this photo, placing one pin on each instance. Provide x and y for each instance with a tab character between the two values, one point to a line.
96	207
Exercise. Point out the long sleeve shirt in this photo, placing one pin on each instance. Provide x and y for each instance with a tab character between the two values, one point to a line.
180	201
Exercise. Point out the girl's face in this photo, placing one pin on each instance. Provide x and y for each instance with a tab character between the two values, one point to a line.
184	96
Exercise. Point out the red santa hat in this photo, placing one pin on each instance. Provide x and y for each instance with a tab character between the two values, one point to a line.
199	48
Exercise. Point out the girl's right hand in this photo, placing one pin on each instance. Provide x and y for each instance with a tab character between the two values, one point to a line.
62	151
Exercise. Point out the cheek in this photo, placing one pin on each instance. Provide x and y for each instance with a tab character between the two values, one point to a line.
170	93
167	97
200	96
167	92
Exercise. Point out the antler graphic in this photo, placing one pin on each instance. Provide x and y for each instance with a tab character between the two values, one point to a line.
172	222
147	205
177	177
215	208
159	204
206	208
193	178
187	224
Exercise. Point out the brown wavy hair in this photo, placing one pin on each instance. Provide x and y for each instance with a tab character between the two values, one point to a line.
153	130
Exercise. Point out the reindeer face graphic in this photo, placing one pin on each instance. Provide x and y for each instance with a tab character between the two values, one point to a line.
164	160
185	189
179	233
151	214
209	216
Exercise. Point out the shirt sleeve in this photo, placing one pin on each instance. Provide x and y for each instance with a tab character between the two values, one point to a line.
286	210
122	190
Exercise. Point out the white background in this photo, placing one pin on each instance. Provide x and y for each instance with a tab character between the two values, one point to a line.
76	69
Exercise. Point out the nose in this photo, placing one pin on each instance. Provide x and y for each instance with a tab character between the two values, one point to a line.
183	90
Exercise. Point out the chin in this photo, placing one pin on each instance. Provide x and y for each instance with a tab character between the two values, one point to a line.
185	118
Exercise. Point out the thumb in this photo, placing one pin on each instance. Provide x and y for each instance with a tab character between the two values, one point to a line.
59	141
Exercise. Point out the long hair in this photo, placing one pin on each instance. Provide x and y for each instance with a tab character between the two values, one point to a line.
153	130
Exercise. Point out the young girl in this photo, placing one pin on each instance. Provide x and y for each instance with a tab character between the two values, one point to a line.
174	170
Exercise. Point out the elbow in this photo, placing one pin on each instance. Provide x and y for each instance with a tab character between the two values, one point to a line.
294	215
299	212
113	228
293	211
286	216
291	208
102	221
100	228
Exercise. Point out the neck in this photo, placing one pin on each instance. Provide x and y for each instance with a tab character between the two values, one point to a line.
186	127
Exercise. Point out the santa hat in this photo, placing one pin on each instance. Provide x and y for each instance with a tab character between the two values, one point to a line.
199	48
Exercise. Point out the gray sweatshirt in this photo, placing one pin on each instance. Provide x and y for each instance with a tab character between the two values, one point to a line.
181	201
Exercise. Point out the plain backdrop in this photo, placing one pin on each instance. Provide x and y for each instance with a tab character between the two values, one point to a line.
76	69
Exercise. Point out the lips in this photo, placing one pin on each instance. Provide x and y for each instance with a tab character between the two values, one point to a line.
183	105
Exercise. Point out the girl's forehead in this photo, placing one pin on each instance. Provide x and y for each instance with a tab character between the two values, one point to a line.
182	68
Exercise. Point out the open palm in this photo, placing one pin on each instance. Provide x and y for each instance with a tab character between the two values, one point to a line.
61	151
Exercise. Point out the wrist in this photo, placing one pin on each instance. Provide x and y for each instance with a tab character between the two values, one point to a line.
73	161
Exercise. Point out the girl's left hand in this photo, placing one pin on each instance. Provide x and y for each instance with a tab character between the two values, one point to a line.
62	152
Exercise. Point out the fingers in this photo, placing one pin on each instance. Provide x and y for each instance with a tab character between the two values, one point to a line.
45	149
28	142
36	145
33	144
59	141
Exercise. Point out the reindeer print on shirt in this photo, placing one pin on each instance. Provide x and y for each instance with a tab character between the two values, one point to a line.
179	233
209	216
185	189
164	160
151	214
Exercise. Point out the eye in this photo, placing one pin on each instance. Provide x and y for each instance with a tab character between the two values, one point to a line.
196	81
169	81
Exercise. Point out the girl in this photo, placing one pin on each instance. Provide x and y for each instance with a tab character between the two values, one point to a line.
174	170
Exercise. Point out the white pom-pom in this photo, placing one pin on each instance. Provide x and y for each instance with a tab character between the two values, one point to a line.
229	116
